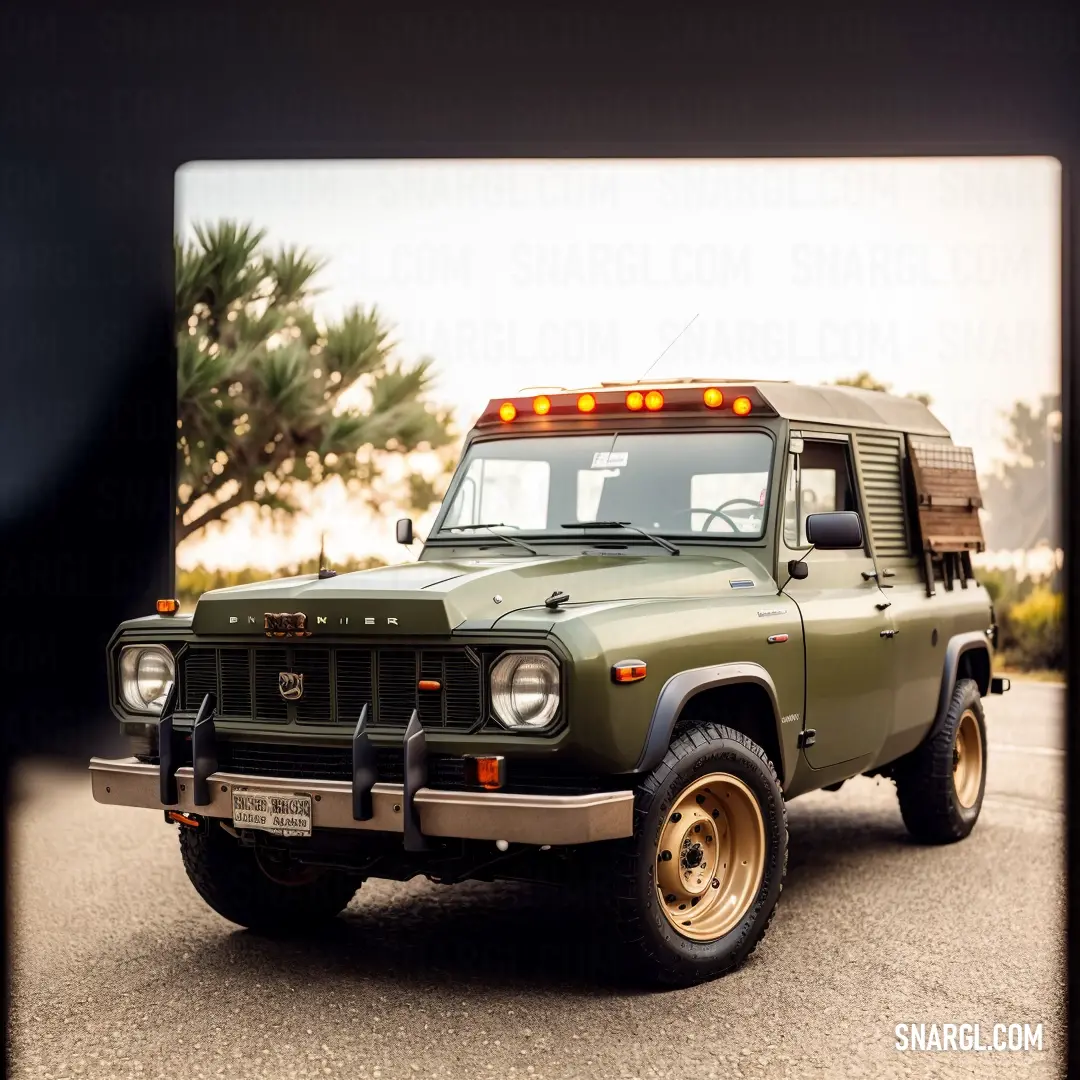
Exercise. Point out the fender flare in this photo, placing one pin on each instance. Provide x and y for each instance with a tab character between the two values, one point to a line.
957	645
681	687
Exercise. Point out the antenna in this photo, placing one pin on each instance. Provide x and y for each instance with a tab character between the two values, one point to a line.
324	571
673	340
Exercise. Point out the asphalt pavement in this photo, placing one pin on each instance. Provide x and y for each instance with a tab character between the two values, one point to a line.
121	971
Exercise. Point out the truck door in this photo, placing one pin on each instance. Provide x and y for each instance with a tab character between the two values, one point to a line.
848	631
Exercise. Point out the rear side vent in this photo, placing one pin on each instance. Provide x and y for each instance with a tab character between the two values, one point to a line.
883	492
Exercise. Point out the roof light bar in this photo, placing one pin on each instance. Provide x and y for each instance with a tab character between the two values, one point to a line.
730	401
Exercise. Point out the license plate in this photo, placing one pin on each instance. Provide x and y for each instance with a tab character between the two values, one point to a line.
283	814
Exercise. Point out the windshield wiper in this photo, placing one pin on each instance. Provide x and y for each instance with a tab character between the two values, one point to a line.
491	529
658	540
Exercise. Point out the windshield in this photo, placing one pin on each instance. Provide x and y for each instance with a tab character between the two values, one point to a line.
677	483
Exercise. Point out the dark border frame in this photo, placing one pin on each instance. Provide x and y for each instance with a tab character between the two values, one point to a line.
100	105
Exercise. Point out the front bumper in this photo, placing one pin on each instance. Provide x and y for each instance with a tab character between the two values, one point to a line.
473	815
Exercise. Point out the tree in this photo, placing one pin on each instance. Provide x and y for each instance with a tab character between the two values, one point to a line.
1021	496
262	384
865	381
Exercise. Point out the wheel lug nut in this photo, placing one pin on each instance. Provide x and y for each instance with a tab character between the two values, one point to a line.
715	883
716	813
676	816
700	799
666	856
670	898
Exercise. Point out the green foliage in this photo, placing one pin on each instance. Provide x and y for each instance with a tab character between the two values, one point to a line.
1037	627
260	383
1021	496
1031	620
191	584
865	381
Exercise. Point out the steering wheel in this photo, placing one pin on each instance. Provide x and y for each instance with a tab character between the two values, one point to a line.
749	504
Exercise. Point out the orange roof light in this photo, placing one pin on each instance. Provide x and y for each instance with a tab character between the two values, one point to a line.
741	406
635	400
586	403
654	400
628	671
713	398
507	411
542	405
168	607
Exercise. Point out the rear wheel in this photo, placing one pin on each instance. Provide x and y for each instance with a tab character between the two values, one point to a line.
261	889
697	884
940	784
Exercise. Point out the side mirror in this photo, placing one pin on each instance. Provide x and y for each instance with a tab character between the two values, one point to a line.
797	569
835	531
404	531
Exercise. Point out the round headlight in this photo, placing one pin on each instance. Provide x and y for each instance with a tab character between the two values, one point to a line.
145	674
525	690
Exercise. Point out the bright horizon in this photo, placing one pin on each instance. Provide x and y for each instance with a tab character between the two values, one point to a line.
935	275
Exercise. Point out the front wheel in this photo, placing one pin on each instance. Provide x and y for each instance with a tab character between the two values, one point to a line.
258	888
697	884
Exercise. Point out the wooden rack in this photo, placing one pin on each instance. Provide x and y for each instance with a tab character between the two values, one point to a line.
948	501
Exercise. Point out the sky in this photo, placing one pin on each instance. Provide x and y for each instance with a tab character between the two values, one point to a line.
936	275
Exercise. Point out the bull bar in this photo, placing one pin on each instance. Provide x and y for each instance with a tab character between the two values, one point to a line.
362	803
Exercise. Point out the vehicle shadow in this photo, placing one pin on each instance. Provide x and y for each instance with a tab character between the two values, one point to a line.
507	934
495	934
826	843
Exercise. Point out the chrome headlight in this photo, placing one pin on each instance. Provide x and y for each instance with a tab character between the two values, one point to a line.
525	690
146	672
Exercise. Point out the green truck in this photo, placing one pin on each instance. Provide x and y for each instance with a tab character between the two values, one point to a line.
646	616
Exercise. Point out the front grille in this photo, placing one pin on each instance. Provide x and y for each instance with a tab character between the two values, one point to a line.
304	762
337	683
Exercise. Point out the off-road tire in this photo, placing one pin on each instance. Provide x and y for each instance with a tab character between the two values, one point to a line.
925	786
655	951
228	877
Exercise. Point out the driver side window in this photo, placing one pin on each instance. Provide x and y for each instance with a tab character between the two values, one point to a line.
818	480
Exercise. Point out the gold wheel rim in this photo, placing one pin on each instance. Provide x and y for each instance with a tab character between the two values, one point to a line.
967	760
710	857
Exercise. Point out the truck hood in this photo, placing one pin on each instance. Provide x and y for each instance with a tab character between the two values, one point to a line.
436	597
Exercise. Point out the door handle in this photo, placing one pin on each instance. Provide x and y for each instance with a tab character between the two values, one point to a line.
889	633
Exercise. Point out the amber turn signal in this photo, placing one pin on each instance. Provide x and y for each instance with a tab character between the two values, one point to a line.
713	398
486	772
168	607
586	403
635	400
507	411
628	671
429	684
542	405
741	406
654	400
